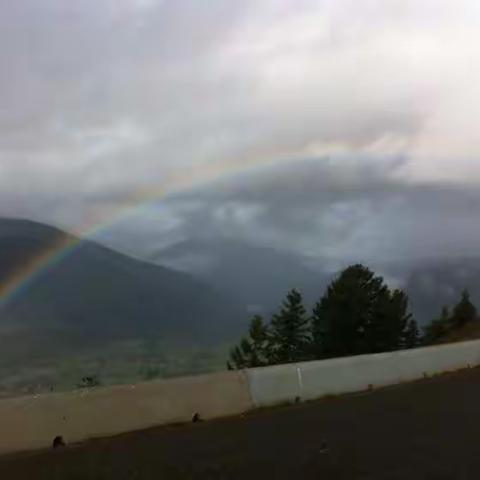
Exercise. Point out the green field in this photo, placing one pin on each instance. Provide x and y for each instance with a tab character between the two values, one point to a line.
117	362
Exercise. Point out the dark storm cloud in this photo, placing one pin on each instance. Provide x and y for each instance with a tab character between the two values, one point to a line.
360	212
102	100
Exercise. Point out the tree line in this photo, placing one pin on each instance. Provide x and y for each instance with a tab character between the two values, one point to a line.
357	314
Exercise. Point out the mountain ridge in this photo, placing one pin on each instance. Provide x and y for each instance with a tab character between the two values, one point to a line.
96	290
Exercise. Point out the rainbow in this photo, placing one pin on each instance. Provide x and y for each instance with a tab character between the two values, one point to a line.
177	182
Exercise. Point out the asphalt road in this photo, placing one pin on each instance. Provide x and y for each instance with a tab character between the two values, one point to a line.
424	430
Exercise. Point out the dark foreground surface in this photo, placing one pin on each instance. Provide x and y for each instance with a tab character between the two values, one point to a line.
424	430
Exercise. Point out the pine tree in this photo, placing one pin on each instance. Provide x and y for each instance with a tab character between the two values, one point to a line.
438	327
389	322
252	351
464	311
445	317
318	326
359	314
411	335
341	315
290	331
260	342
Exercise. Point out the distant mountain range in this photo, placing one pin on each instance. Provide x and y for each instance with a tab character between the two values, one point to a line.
260	276
95	292
207	291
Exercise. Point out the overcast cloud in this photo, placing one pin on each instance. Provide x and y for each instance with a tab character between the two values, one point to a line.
342	129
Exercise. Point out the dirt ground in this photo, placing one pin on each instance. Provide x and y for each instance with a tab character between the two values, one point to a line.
424	430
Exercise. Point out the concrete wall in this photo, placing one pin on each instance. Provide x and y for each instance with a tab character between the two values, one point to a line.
309	380
28	423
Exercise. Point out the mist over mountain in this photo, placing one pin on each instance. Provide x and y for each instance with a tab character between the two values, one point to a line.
434	283
95	292
207	291
260	276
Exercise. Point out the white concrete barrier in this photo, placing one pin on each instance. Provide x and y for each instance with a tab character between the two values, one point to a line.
305	381
28	423
274	385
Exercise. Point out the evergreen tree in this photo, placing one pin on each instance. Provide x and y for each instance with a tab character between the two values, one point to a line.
464	311
386	328
254	350
289	330
237	356
438	327
411	335
359	314
318	326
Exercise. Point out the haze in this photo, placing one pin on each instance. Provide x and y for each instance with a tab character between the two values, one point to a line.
346	129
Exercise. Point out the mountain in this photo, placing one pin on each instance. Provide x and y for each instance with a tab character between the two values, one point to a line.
94	292
258	276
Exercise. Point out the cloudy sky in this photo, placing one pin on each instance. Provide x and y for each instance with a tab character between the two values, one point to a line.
339	129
